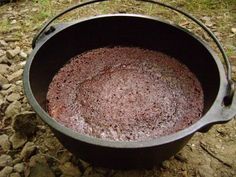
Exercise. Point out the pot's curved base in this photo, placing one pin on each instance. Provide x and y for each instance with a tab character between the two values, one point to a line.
122	158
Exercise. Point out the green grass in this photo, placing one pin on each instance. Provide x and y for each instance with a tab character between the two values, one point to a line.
4	25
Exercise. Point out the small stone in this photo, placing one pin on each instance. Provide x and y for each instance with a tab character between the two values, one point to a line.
15	76
4	142
13	96
69	169
3	43
15	67
19	82
19	167
2	52
38	158
4	60
12	53
13	88
39	167
233	30
234	69
15	28
23	55
12	39
13	109
4	69
209	24
5	172
6	86
17	160
34	9
3	80
206	18
5	160
15	175
17	140
28	150
13	22
25	123
205	171
65	157
1	99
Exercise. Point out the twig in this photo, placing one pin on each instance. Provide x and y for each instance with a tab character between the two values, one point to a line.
203	146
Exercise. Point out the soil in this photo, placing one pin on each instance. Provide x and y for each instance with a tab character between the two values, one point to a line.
125	94
28	148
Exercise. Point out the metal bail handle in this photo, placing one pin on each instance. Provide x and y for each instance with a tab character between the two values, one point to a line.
231	84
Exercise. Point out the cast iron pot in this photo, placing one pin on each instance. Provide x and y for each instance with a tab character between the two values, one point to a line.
54	46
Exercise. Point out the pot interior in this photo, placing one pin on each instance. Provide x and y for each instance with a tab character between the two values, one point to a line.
123	30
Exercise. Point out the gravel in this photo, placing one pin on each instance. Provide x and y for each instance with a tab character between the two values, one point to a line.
12	53
5	160
18	140
6	171
4	142
19	167
13	109
28	150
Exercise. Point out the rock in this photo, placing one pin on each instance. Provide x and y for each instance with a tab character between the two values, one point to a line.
12	39
15	175
17	140
3	80
28	150
13	88
25	123
4	69
41	170
19	167
234	69
39	167
38	158
15	76
13	109
3	43
13	96
1	99
12	53
69	169
233	30
5	172
6	86
23	55
2	52
13	22
34	9
5	160
19	82
65	157
206	18
4	142
16	67
205	171
4	60
17	160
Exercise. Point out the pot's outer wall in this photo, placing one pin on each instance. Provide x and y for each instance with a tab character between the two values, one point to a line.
54	51
121	158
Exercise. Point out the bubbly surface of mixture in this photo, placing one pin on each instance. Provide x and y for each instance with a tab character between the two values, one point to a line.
125	94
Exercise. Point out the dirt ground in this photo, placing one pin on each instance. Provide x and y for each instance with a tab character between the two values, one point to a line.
27	146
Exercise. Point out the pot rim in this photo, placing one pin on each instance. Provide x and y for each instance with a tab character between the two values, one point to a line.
214	111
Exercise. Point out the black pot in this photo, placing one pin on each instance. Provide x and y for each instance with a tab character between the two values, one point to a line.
58	44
